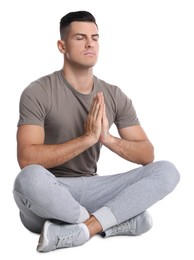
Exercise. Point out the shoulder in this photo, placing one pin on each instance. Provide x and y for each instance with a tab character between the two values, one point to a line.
42	86
39	91
45	81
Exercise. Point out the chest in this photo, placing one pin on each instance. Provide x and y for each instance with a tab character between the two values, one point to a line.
67	114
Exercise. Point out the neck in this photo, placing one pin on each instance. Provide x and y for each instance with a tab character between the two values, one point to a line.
80	79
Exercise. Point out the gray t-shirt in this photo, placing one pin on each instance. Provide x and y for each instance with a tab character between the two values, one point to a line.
51	102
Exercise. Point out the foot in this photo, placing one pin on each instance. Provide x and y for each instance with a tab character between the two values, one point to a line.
55	236
132	227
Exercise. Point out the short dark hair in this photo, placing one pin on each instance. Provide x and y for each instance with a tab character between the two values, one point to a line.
78	16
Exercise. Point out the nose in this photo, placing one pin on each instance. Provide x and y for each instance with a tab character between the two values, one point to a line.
90	43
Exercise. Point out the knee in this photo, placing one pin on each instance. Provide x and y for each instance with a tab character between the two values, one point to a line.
169	175
28	178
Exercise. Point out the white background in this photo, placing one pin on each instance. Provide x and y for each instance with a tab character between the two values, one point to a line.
147	49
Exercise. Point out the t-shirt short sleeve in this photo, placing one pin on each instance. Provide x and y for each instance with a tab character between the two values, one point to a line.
126	115
33	105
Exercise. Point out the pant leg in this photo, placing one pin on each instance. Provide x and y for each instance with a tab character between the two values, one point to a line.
117	198
40	196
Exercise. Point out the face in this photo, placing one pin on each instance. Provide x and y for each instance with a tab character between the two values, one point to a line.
81	46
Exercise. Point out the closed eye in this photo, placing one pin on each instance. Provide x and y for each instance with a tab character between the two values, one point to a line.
79	37
95	37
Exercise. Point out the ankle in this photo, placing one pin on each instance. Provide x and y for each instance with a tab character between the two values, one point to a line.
93	226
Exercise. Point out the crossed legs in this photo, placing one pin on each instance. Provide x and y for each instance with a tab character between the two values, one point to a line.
111	200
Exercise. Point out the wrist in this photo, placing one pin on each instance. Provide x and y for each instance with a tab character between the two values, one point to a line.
90	139
107	139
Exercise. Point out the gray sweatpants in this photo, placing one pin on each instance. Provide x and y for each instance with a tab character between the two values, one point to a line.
112	199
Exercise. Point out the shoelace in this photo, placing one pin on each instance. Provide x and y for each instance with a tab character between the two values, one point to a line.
126	226
67	240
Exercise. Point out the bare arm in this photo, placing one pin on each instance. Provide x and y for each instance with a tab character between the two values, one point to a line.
32	150
133	145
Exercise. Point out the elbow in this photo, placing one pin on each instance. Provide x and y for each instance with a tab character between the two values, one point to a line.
147	160
148	156
22	163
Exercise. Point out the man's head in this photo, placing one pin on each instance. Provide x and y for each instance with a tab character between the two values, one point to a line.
78	16
79	39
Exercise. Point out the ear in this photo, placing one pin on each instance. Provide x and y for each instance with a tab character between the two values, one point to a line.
61	46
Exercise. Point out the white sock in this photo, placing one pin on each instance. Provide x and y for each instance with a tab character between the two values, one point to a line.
85	228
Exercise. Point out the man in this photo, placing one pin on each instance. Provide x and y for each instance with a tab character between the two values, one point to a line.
64	120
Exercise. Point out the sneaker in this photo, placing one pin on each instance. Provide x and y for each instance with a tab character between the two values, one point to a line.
55	236
132	227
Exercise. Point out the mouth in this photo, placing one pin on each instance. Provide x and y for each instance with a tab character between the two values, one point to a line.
89	53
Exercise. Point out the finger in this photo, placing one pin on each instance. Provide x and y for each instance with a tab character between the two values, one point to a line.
99	112
96	111
96	105
92	106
